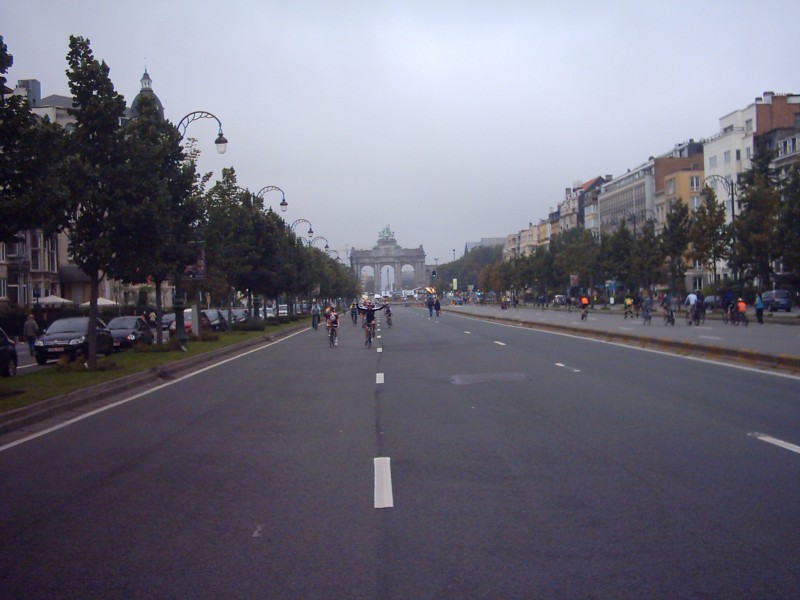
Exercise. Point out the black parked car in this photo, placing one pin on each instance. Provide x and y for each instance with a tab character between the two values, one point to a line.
777	300
129	331
216	319
8	355
70	337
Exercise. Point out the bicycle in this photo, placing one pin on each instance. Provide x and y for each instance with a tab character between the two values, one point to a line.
332	335
389	319
368	328
647	316
585	312
741	317
669	317
315	321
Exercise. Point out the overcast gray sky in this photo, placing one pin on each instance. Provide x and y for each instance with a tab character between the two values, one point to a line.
447	120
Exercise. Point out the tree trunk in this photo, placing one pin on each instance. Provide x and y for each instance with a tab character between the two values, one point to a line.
159	312
94	278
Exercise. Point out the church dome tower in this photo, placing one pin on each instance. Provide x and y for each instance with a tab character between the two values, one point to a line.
147	89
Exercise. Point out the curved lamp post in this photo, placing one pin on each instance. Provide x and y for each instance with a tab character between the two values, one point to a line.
730	187
319	237
221	142
274	188
298	221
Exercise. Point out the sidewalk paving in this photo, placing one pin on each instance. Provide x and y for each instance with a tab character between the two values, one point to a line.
774	345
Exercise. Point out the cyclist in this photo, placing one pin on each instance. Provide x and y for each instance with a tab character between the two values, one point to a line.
354	312
369	311
388	315
315	311
333	326
691	302
666	305
647	308
584	307
628	306
741	309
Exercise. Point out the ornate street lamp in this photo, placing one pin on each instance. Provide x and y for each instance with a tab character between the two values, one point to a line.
319	237
274	188
298	221
221	142
730	188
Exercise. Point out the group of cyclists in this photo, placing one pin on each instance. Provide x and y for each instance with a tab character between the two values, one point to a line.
367	311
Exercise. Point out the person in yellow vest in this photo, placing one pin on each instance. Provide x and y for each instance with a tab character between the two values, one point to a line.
628	306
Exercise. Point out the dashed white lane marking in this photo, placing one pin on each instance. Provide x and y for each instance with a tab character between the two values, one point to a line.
468	332
380	349
499	343
776	442
378	377
257	532
563	366
383	483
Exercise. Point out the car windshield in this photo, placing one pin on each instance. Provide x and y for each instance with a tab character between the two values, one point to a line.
76	325
122	323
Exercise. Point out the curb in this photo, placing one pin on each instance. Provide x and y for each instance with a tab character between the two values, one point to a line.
18	418
781	362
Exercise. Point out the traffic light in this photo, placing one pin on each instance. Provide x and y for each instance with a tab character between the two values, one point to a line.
433	274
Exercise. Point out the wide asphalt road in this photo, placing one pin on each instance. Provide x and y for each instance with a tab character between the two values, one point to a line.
454	459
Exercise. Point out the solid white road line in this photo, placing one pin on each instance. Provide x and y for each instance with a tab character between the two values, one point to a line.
146	392
383	483
776	442
378	377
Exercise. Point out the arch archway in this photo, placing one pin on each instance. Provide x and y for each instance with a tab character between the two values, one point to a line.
405	264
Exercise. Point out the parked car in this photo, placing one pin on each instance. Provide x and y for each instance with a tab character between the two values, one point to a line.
712	302
70	337
777	300
240	315
8	355
129	331
167	319
205	322
216	319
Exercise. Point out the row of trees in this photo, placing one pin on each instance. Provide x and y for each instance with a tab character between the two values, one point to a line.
765	232
133	204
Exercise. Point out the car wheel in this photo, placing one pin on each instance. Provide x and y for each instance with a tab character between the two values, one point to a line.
11	368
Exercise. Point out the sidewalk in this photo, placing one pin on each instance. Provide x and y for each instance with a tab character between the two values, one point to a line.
773	345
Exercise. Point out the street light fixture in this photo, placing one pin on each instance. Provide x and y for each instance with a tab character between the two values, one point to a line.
221	142
730	188
298	221
274	188
319	237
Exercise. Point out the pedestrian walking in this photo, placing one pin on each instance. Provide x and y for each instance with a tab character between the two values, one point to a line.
759	304
30	331
437	306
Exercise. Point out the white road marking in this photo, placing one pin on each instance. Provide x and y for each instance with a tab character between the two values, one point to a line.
776	442
380	349
378	377
383	483
563	366
626	328
468	332
145	393
709	337
499	343
257	532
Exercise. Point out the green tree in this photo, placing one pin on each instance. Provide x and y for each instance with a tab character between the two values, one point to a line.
648	260
32	193
756	226
616	256
675	242
160	204
789	222
709	238
95	170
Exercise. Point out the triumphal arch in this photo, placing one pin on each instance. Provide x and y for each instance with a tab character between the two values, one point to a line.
388	253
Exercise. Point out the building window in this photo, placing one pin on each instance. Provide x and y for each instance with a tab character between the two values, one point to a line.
748	125
670	186
694	183
748	152
727	157
3	287
712	162
738	155
695	202
36	251
2	252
